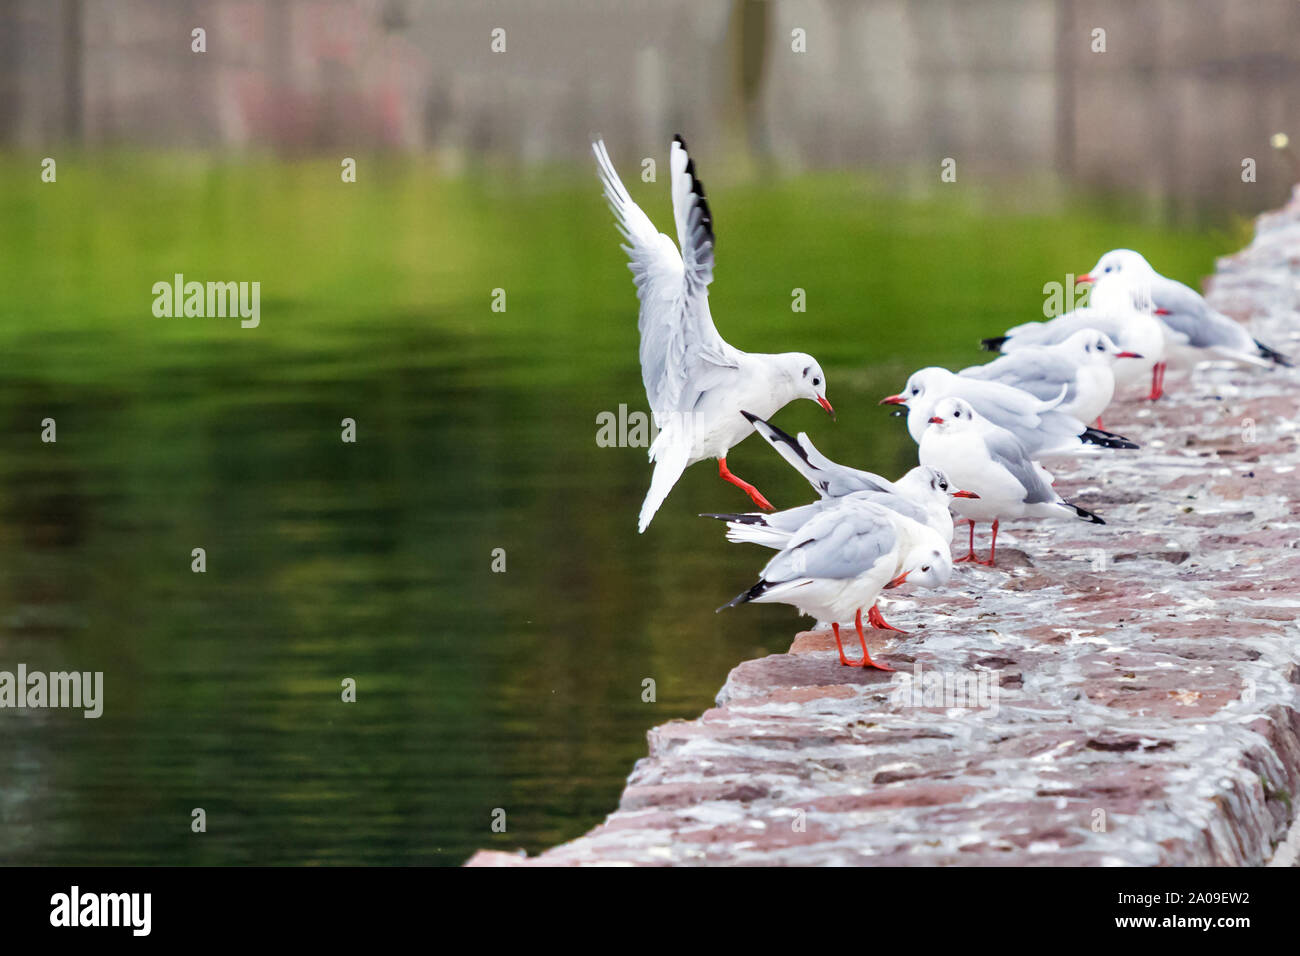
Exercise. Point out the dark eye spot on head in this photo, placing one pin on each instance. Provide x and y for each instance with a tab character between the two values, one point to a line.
805	370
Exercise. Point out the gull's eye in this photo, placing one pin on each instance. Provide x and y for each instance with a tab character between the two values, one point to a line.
916	390
943	486
925	568
816	381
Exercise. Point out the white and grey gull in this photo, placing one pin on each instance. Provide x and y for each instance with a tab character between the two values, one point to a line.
695	381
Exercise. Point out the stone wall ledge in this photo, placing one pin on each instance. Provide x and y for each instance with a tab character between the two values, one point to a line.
1148	671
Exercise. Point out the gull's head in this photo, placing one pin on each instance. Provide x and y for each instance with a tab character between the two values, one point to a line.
1090	347
953	414
927	379
924	482
927	567
1119	264
808	378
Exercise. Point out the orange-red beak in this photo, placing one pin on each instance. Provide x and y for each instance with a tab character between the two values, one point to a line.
893	400
1127	355
897	581
936	420
826	405
1083	279
964	494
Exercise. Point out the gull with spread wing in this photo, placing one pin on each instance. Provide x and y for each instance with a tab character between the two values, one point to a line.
696	383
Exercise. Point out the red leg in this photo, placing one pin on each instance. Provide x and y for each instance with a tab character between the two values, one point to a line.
971	555
1157	381
840	646
866	656
754	494
878	621
993	548
1099	424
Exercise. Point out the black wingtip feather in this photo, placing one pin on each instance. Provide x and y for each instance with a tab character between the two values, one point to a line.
1273	355
1085	513
1095	436
781	436
697	187
745	596
738	518
994	344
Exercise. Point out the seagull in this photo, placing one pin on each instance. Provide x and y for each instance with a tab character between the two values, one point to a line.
696	383
922	495
1084	364
1111	310
1193	330
1039	425
993	463
840	560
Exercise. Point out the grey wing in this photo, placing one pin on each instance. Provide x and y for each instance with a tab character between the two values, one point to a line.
1037	371
830	479
681	350
1057	330
1006	450
1184	311
840	480
1004	405
896	503
840	542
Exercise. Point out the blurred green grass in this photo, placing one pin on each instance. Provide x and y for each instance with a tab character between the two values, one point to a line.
344	267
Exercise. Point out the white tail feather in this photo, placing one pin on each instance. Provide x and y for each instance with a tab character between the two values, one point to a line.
670	462
738	532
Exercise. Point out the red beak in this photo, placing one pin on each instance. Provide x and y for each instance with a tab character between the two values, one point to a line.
936	420
897	581
1161	311
964	494
1083	279
826	405
1127	355
893	400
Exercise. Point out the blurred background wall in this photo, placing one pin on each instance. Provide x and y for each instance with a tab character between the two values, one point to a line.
1185	90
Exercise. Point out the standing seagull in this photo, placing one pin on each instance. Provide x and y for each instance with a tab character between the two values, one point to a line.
1193	330
1124	316
922	494
1083	364
697	384
839	561
1040	426
993	463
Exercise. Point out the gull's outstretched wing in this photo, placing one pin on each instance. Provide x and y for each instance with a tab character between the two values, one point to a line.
830	479
681	351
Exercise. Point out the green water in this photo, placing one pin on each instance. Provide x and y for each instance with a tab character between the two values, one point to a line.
372	560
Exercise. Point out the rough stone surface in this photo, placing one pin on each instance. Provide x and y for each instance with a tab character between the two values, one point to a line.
1147	707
